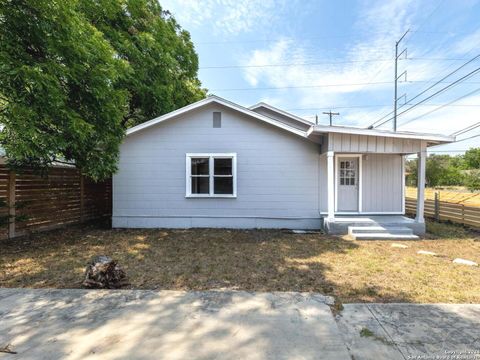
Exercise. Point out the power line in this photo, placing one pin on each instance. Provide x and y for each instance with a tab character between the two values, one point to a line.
292	64
301	87
329	85
468	138
427	18
435	94
324	63
442	106
467	129
307	38
428	88
446	150
371	106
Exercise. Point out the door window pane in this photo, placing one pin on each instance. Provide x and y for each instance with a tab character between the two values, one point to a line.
200	185
200	166
222	166
223	185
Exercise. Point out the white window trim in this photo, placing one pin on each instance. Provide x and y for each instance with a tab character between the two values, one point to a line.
211	156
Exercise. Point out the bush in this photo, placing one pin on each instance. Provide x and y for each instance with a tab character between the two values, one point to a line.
472	180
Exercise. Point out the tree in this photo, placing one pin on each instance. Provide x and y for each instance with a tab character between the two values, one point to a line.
59	101
472	180
162	59
75	74
472	158
440	171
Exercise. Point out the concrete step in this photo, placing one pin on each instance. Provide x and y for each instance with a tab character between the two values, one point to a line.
381	233
385	236
399	230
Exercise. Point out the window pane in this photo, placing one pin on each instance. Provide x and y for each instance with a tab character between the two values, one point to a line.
223	185
222	166
200	166
342	181
352	181
200	185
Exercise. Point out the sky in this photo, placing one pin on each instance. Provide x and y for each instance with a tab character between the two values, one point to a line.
308	57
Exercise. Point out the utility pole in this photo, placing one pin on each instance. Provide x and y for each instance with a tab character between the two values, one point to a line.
330	114
395	97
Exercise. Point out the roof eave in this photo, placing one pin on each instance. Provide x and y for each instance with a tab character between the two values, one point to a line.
220	101
432	138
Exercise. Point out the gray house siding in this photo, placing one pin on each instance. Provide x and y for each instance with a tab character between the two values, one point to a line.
277	175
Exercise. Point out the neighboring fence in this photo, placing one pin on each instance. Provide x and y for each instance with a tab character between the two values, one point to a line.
35	203
444	210
449	196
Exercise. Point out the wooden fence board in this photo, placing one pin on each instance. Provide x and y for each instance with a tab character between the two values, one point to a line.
455	212
62	197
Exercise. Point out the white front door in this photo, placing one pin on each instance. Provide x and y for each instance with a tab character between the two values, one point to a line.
347	184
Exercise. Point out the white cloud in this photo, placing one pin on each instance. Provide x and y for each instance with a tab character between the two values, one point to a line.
377	41
468	43
225	16
358	67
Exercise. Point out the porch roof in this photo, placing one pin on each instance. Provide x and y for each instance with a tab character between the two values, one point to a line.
432	139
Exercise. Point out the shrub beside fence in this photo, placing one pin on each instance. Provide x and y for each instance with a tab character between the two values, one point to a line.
443	210
36	203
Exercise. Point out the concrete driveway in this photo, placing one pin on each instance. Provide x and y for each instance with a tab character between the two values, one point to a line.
411	331
135	324
131	324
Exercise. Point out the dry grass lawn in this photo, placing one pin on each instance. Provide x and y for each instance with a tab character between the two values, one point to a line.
263	260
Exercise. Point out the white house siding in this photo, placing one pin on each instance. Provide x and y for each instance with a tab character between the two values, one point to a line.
382	185
277	175
371	144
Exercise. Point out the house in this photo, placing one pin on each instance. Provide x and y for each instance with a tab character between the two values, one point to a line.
215	163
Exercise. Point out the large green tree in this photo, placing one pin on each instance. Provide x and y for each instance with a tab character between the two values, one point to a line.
163	62
74	74
57	76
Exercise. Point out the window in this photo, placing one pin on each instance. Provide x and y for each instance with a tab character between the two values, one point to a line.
211	175
347	172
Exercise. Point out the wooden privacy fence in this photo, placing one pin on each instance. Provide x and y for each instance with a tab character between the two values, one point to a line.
444	210
35	203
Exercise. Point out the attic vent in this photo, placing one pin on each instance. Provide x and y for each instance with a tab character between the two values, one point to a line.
217	119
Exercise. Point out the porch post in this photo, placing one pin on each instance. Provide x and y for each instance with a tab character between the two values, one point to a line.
331	185
422	157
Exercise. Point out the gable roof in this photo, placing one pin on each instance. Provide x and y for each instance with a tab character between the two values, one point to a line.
218	100
280	112
312	129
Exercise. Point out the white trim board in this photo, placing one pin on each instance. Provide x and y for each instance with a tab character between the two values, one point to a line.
218	100
313	130
281	112
360	179
323	129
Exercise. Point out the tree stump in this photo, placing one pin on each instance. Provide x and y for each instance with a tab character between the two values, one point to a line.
104	273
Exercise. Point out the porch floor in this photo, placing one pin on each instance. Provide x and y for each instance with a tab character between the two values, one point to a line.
339	225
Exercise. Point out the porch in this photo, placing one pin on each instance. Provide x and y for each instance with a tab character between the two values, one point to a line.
361	201
379	227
